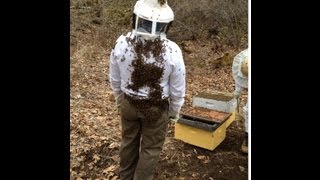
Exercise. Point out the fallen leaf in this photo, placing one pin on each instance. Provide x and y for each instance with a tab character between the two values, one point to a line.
96	158
201	157
114	145
110	168
103	138
114	177
110	175
100	118
195	174
241	168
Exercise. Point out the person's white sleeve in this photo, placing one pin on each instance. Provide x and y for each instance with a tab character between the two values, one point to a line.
177	83
114	75
239	78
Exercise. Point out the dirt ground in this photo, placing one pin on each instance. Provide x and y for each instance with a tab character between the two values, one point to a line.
94	124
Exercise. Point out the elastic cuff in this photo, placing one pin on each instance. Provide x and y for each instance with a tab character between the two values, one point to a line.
173	114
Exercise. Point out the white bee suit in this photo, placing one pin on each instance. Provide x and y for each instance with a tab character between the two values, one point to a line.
173	78
241	81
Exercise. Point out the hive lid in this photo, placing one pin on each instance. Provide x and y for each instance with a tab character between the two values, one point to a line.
216	95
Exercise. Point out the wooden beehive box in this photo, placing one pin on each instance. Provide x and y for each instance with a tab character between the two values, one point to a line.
218	101
206	123
203	132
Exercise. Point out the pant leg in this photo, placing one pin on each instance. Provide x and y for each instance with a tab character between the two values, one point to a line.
245	112
130	143
153	137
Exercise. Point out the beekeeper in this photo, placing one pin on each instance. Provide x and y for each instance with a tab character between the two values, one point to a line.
147	77
240	74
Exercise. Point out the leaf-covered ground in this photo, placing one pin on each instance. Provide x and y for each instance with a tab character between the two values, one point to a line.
94	124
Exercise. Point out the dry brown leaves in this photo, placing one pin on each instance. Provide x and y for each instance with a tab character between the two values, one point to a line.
94	125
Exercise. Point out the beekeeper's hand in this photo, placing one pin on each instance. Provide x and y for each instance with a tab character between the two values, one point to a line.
119	98
236	96
174	116
174	119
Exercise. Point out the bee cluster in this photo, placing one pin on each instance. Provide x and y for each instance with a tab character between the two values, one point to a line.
148	75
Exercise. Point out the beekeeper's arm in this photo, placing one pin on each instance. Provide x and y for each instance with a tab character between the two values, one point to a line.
237	91
240	74
114	73
177	83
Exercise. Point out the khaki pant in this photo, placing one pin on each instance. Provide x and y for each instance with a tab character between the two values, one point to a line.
142	142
